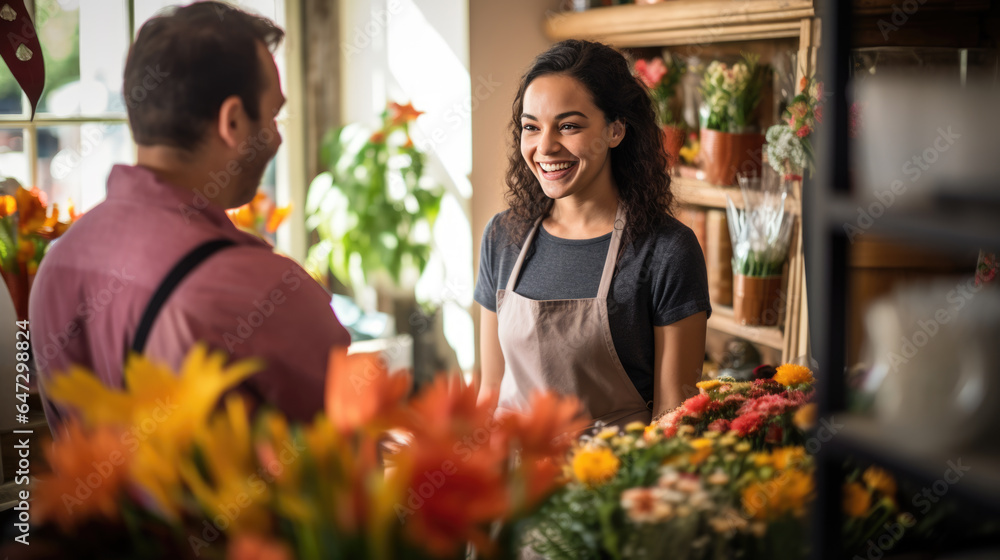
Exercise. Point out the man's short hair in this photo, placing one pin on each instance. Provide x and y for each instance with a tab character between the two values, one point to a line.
185	62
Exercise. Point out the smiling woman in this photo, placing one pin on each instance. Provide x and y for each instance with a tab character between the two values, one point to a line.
589	285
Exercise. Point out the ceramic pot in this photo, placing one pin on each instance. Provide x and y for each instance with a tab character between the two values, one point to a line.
756	300
673	141
725	155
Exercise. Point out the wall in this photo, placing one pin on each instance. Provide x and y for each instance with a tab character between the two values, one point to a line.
504	37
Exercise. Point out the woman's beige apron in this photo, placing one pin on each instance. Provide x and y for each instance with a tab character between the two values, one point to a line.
565	345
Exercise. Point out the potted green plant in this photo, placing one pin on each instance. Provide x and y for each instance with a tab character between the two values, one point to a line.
662	79
760	232
374	208
730	141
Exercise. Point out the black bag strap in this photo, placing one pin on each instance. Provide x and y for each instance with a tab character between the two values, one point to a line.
180	270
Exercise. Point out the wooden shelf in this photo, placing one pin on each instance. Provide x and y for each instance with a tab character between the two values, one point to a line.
695	192
693	22
722	320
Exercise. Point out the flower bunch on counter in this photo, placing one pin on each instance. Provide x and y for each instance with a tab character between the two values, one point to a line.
178	476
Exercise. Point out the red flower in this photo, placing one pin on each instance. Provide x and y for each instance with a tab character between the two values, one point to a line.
768	405
774	434
696	405
804	131
651	72
748	423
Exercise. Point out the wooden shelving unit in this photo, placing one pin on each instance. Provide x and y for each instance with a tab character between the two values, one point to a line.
722	320
694	22
699	24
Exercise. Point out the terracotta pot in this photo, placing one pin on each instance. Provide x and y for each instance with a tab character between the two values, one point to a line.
17	285
725	154
757	300
673	141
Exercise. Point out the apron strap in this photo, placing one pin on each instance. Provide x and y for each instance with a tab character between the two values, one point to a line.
512	280
612	258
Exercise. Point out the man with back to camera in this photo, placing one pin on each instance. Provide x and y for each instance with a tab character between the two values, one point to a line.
202	91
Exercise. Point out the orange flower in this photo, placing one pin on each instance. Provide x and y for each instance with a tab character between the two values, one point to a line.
402	114
450	497
543	436
31	210
276	217
857	499
360	391
456	485
548	427
8	205
261	212
378	137
89	471
255	547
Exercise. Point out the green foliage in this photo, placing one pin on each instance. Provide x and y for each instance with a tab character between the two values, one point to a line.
373	209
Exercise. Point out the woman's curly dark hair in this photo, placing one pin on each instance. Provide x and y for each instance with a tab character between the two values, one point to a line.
638	164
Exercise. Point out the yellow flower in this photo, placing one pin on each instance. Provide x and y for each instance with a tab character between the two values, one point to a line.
635	427
161	410
594	466
857	499
793	374
787	457
743	447
702	449
805	417
881	481
762	459
607	433
789	492
229	483
707	386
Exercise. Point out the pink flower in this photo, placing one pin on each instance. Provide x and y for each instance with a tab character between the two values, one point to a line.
670	422
651	72
818	114
748	423
767	405
803	132
721	425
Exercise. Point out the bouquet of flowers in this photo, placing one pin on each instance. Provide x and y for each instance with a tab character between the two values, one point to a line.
762	230
662	80
27	227
722	476
789	150
260	217
160	471
731	94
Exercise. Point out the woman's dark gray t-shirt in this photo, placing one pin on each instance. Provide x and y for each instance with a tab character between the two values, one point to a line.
658	282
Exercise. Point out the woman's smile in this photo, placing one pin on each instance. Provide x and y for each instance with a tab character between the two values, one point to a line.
554	171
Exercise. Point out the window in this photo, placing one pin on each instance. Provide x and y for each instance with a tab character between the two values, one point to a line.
81	129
